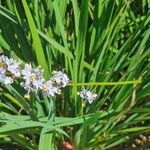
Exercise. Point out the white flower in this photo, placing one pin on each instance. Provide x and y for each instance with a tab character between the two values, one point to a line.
88	95
8	80
2	58
27	71
2	74
9	69
54	85
38	84
51	90
2	71
60	79
13	66
33	78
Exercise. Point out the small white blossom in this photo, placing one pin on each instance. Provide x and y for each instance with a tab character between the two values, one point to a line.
9	69
33	78
13	66
60	79
2	59
88	95
2	74
26	72
51	90
8	80
54	85
2	69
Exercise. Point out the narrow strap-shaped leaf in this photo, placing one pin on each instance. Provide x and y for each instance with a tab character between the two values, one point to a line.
80	49
41	59
56	45
45	141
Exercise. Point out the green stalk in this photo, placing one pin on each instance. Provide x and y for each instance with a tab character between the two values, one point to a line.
105	83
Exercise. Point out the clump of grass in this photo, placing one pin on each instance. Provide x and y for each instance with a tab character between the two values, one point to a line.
102	45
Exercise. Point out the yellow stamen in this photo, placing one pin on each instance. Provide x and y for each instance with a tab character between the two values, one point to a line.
34	78
53	72
45	88
27	96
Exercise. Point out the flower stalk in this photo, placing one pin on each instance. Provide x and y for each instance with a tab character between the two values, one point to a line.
106	83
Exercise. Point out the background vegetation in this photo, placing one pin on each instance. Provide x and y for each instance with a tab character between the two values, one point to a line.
92	41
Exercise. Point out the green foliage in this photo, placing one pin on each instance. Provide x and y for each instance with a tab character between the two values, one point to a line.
93	41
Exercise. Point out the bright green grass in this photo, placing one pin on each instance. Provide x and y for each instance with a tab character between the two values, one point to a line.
101	44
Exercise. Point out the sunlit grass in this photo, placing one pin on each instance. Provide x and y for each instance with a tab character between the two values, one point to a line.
101	45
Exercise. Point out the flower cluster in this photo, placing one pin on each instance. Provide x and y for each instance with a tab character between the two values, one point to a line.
34	81
88	95
53	86
33	78
9	69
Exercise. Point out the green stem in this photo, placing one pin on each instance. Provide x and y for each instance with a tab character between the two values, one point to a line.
105	83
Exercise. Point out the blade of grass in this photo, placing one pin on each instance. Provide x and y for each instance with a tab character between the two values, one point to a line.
41	59
80	50
56	45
